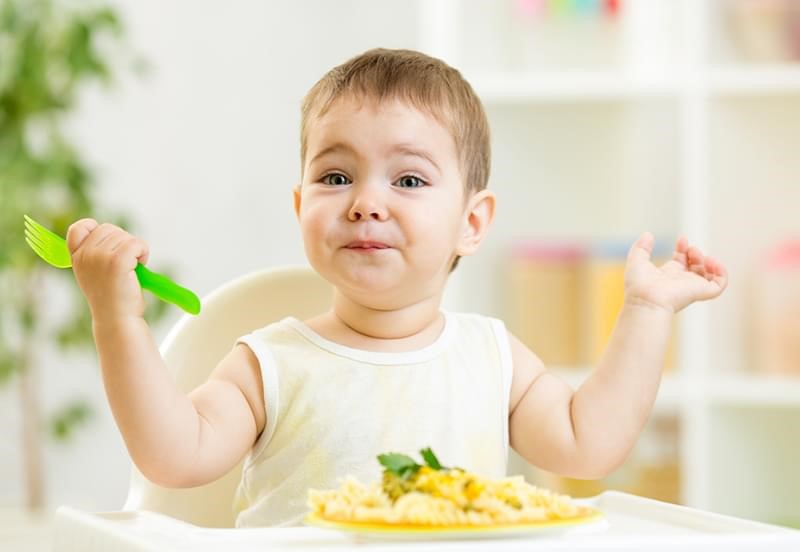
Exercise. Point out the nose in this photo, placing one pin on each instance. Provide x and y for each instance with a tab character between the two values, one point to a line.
367	205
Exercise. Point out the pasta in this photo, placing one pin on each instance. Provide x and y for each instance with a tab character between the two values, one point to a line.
438	496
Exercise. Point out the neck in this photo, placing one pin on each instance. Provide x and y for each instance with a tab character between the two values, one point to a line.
405	322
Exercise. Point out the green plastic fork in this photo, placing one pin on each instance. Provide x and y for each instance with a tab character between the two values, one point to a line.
53	249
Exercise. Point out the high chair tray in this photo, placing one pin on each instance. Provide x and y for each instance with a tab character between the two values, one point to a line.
631	523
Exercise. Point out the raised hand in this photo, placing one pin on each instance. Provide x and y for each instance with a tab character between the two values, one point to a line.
688	277
104	257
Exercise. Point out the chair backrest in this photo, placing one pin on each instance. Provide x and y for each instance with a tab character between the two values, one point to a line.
193	348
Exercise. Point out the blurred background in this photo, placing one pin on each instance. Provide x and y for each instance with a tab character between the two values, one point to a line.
609	118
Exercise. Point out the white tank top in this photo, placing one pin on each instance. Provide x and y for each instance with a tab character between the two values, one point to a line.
332	409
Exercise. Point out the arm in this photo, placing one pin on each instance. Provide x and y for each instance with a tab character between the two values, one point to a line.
174	439
589	433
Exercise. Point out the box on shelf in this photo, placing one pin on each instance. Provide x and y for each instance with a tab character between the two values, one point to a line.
604	293
765	31
554	34
603	296
776	306
543	299
564	298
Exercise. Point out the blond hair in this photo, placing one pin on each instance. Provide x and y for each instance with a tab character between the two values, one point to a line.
424	82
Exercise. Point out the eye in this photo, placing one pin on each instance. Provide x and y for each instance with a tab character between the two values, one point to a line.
410	181
336	179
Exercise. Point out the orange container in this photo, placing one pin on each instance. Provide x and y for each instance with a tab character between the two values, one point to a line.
603	295
543	299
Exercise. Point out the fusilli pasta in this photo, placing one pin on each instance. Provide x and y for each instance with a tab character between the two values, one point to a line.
441	497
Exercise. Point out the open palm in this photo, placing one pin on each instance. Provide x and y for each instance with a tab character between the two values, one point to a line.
687	277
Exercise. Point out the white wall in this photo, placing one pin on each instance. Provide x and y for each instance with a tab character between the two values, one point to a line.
202	154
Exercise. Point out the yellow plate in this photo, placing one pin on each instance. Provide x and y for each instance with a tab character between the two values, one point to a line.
589	516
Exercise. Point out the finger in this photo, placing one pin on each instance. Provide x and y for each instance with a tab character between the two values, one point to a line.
722	280
720	273
694	258
103	233
642	248
715	286
681	247
105	237
116	240
78	231
133	245
712	267
682	244
131	251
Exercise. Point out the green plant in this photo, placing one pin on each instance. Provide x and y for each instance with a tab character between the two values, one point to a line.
49	51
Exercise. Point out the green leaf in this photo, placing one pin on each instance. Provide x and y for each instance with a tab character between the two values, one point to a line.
77	330
405	466
399	464
9	366
430	459
64	422
49	51
106	17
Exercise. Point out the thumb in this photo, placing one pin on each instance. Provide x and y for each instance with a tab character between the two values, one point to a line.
79	231
642	248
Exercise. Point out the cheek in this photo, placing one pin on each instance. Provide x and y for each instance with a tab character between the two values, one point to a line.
320	231
437	232
312	226
444	222
313	213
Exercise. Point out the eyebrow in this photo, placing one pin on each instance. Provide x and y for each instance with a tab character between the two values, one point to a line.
404	149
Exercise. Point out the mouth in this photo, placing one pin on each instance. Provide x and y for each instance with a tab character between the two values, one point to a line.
366	245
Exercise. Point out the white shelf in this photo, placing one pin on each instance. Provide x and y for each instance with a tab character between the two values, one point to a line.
755	81
609	151
753	390
572	86
591	86
746	390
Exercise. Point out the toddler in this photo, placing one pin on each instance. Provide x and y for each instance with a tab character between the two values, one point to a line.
395	162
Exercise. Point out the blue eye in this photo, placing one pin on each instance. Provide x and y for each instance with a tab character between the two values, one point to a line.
410	181
335	179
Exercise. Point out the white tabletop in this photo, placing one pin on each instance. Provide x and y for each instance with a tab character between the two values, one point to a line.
631	523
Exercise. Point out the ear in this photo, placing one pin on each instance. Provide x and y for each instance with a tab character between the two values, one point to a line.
296	192
479	215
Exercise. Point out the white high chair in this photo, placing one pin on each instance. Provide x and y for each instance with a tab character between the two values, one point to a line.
193	348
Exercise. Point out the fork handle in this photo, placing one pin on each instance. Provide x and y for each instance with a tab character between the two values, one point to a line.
167	290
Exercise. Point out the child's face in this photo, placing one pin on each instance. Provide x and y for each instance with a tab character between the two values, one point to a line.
381	206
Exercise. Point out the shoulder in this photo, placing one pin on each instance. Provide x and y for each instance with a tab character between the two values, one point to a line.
527	369
250	360
526	366
466	322
277	331
241	369
274	341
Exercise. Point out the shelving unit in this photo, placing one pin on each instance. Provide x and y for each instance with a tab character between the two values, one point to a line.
674	134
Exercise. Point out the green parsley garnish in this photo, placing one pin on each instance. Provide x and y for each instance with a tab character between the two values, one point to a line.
404	466
430	459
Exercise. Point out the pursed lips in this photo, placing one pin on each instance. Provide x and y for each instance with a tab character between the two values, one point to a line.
366	245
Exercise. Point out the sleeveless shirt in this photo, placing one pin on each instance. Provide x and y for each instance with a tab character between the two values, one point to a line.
331	410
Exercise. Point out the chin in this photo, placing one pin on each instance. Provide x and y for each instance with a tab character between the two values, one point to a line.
374	287
368	279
